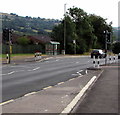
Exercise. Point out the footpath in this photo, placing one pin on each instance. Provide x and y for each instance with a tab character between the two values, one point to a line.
67	97
104	96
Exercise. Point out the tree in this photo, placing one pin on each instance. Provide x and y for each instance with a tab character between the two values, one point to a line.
23	41
87	30
99	25
84	30
116	48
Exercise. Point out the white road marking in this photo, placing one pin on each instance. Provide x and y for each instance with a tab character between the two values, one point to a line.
11	72
36	68
78	97
78	73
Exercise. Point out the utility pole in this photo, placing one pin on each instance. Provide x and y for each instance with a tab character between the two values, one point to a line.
64	28
106	32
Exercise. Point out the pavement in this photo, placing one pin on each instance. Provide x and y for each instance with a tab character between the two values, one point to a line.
103	97
24	59
61	98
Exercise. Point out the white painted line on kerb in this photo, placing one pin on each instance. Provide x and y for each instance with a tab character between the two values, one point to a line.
78	97
6	102
60	83
47	87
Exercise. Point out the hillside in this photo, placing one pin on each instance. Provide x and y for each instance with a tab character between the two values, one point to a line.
28	25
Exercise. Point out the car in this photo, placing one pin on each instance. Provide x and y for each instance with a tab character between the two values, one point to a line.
98	53
119	56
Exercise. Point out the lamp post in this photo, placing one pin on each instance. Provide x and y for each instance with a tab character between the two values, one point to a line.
64	28
106	32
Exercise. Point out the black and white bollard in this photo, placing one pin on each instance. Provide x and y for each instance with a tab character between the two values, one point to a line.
110	59
94	61
38	56
98	62
114	59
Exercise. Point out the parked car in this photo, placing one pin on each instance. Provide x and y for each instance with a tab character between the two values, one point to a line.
98	52
119	56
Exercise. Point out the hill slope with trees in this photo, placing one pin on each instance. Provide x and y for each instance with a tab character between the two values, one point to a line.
28	25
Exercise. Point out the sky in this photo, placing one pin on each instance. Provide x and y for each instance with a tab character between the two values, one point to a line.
54	9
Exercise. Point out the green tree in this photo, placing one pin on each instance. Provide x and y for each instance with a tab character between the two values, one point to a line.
99	25
23	41
116	48
87	30
84	30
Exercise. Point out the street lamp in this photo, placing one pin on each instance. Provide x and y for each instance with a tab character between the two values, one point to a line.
64	28
106	33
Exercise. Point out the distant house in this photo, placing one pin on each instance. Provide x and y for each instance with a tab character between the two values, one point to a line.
50	47
39	39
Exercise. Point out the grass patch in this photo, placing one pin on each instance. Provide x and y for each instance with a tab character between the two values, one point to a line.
16	55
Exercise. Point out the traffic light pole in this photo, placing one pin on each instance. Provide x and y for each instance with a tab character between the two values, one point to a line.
9	48
106	46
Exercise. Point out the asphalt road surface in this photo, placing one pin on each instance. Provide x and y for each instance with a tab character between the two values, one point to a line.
18	80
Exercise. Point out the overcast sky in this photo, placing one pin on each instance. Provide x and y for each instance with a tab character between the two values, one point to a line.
55	8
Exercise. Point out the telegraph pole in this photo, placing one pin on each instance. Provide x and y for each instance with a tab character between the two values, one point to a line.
64	28
106	32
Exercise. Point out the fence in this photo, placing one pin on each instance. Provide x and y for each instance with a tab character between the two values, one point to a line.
23	49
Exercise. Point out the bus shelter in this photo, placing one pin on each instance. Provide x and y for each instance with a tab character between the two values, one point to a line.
52	48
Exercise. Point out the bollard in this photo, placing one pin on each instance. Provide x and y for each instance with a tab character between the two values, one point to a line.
38	56
7	57
98	62
114	59
35	56
94	61
110	59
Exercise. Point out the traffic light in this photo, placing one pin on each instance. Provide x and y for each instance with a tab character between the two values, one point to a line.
109	37
5	34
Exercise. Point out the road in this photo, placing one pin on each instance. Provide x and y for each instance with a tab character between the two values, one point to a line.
18	80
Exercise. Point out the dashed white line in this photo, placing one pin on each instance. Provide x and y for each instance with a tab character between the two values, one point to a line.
36	68
11	72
